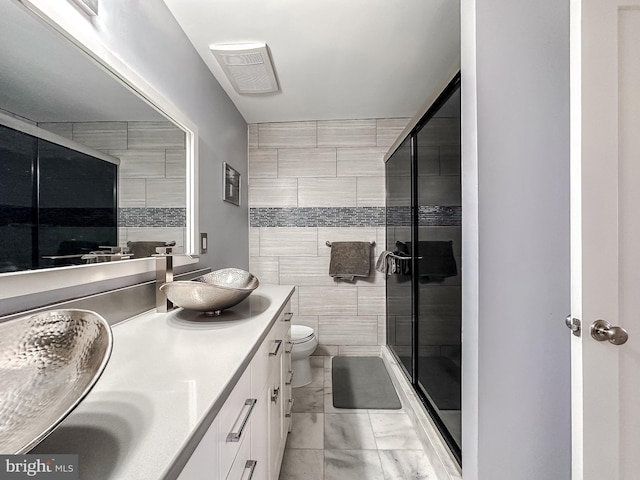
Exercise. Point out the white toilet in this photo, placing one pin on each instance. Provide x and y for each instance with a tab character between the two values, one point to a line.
304	342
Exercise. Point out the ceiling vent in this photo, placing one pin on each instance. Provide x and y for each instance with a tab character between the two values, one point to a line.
247	66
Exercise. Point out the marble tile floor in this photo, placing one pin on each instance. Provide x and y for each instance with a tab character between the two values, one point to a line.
328	443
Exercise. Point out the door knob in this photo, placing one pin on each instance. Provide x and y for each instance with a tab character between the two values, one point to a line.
602	330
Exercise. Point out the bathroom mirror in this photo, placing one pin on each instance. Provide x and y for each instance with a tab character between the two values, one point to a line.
75	99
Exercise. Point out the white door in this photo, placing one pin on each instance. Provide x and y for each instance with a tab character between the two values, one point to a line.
605	146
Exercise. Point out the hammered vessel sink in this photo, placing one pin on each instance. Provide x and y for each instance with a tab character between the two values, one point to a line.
48	363
213	292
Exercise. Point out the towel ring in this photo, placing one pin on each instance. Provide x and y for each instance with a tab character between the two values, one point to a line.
328	243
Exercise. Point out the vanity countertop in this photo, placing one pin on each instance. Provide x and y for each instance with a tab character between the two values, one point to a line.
167	378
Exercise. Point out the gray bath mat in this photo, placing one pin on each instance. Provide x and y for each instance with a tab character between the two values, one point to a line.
362	382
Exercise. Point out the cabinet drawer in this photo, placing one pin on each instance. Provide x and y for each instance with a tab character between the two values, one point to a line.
233	422
283	322
243	465
204	460
262	360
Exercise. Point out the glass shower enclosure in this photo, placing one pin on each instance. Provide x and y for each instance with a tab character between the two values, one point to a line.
424	232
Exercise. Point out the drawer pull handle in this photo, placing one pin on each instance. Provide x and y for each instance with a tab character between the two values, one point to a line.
275	395
290	409
250	467
289	378
276	344
287	317
235	436
290	347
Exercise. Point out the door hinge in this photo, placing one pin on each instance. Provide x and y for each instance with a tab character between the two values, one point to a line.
573	324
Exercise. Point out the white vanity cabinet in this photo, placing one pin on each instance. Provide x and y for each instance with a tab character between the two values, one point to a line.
269	382
247	438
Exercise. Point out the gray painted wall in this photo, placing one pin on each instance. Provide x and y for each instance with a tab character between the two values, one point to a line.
145	35
516	350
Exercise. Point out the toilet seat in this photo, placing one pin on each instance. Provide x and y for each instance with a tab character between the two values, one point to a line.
301	333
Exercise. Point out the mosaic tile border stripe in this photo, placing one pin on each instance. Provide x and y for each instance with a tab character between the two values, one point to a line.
152	217
317	217
352	216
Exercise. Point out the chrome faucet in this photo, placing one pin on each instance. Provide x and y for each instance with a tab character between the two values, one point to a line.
164	274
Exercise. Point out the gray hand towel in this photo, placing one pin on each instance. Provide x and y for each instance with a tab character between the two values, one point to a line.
350	260
383	263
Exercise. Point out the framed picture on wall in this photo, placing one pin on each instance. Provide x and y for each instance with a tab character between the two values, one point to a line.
231	191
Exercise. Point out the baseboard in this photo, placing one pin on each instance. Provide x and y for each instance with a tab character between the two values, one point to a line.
442	460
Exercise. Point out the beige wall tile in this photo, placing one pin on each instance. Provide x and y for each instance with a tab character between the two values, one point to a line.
265	269
381	240
306	162
348	330
252	132
347	133
123	235
371	300
166	192
263	163
273	192
64	129
287	135
254	241
327	192
359	350
155	135
159	234
101	135
368	161
294	301
305	271
292	242
132	192
389	129
370	191
327	301
176	163
382	330
306	320
141	163
326	350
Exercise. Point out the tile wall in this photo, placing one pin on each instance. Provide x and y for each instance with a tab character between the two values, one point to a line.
312	182
152	176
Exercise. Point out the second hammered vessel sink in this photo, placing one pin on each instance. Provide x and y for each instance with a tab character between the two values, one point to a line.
48	363
213	292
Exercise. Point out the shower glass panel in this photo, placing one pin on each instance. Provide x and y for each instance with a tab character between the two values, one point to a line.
439	286
424	288
398	231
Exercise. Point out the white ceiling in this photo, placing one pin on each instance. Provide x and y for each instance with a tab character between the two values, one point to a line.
334	59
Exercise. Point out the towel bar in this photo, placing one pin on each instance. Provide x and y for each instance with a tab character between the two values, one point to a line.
328	243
